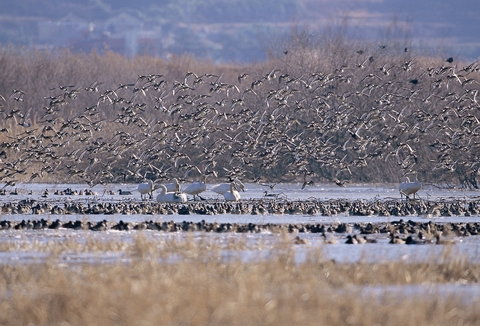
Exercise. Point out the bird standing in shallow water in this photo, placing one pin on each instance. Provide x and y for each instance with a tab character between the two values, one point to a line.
196	188
146	188
222	188
408	187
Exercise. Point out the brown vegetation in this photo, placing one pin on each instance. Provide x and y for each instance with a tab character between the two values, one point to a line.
325	109
196	287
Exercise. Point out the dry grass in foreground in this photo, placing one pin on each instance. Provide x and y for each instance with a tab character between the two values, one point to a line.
198	288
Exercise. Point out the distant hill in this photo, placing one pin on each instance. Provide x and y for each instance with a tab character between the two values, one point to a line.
234	30
207	11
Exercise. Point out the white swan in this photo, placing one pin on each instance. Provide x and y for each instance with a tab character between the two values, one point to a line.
146	188
173	186
170	197
196	188
409	187
222	188
232	194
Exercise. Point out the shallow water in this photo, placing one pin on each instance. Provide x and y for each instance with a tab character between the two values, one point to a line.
252	191
469	246
258	246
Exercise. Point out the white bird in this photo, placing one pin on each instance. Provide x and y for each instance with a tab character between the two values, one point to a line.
146	188
232	194
170	197
409	187
173	186
222	188
197	187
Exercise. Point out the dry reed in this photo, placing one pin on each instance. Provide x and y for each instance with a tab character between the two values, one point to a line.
197	287
357	84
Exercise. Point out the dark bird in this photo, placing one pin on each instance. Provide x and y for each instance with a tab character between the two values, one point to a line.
339	183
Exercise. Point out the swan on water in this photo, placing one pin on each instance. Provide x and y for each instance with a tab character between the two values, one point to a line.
408	187
222	188
232	194
197	187
170	197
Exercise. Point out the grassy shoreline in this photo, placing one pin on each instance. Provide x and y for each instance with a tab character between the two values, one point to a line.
200	288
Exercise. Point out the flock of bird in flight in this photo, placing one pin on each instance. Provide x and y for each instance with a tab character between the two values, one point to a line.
336	124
